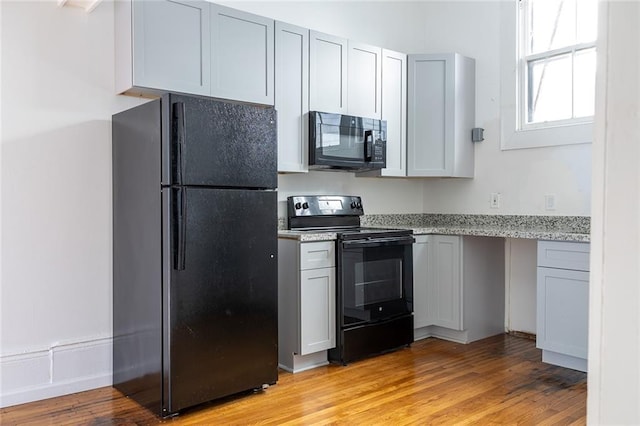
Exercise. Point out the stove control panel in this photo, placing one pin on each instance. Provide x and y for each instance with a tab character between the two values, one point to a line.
324	205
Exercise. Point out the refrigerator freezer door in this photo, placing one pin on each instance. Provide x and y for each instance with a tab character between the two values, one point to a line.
222	144
220	310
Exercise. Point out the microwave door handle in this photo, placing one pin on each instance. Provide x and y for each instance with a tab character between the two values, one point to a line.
368	145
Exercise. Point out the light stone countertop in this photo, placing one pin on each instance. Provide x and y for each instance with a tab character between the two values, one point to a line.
556	228
306	235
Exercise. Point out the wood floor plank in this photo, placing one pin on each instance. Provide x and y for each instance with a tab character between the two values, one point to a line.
499	380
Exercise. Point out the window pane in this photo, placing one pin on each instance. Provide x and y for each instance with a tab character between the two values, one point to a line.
587	21
552	24
549	92
584	78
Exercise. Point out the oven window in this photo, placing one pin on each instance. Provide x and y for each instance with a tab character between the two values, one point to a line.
375	283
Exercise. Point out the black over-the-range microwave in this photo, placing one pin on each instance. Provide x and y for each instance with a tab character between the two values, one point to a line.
346	142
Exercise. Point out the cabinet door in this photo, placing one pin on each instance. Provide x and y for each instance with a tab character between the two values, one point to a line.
421	279
242	48
444	302
441	114
563	311
292	96
394	111
327	73
171	45
364	89
317	310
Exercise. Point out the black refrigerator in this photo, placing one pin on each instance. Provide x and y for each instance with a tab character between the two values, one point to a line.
194	251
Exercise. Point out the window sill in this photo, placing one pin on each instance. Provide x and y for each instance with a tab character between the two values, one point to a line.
546	137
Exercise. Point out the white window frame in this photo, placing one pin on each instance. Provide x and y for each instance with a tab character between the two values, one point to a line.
515	135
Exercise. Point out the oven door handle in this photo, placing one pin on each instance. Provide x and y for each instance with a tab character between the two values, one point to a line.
379	242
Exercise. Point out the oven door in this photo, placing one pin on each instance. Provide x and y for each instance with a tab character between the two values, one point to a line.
375	280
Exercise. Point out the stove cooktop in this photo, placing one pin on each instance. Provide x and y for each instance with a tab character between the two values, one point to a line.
338	214
359	232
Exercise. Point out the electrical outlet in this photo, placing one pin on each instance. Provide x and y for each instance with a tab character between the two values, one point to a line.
550	202
494	200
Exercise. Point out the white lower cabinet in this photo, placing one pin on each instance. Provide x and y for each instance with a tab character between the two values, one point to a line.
562	321
306	303
458	287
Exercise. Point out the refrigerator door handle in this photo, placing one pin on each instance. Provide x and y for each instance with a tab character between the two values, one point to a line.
179	141
180	230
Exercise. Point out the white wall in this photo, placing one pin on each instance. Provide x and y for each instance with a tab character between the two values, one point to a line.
379	196
614	314
57	100
520	280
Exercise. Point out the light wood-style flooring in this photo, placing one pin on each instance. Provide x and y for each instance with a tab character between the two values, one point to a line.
499	380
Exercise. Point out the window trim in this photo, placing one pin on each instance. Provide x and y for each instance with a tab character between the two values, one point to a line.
513	135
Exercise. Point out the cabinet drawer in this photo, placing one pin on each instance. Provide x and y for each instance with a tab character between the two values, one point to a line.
564	255
317	255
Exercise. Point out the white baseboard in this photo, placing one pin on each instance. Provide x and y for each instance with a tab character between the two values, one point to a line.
441	333
299	363
61	370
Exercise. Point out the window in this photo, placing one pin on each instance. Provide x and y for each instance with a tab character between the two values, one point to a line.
558	64
549	69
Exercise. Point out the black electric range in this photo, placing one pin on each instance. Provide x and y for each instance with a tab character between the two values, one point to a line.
374	275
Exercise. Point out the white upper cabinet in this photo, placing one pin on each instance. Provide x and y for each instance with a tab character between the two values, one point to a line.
159	46
441	114
292	96
327	73
394	111
242	48
364	90
194	47
345	77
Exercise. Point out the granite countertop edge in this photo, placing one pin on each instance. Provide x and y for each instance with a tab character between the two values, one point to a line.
554	228
479	232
